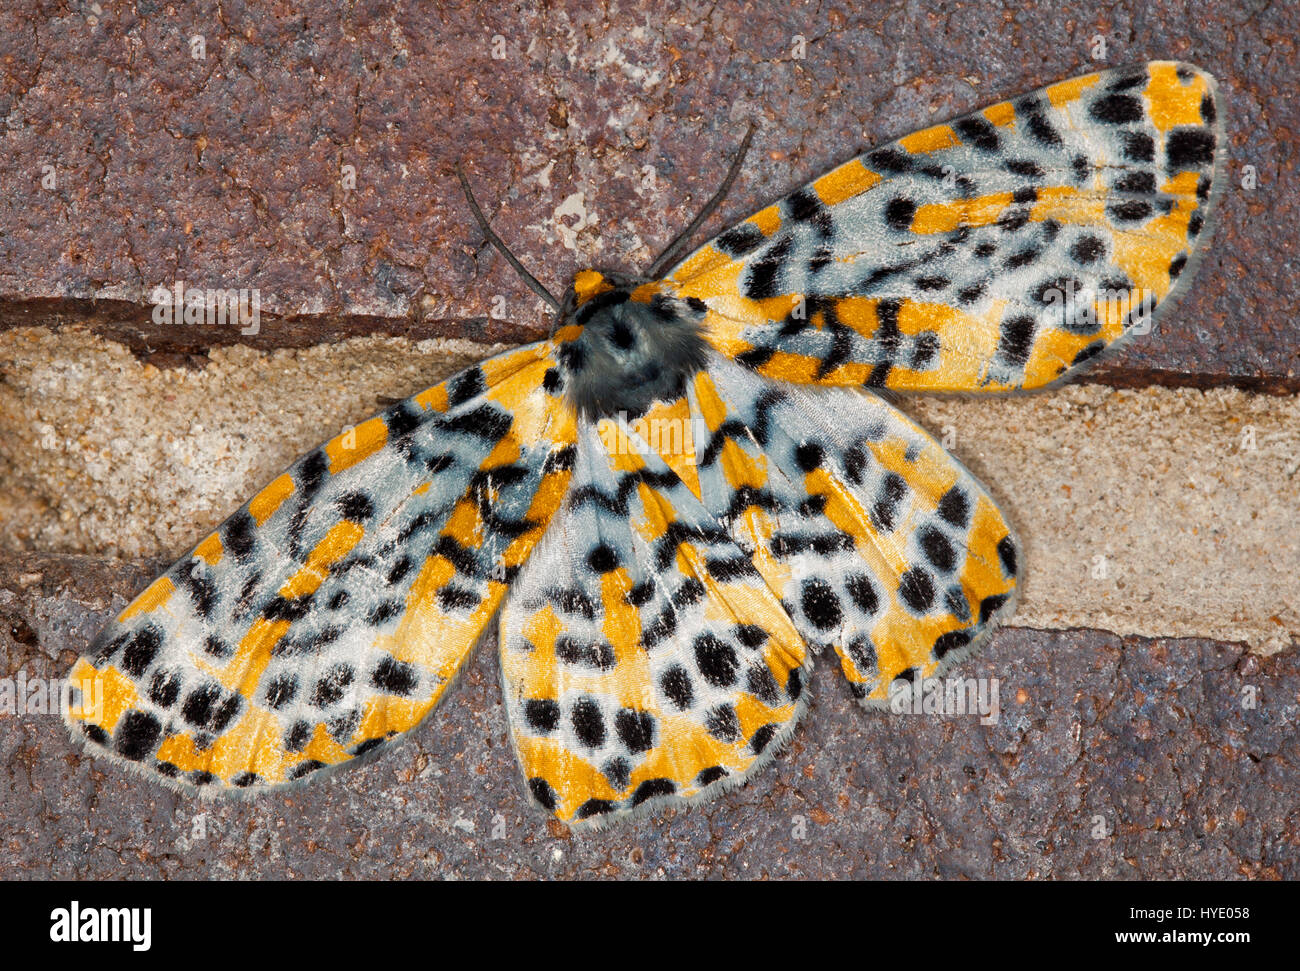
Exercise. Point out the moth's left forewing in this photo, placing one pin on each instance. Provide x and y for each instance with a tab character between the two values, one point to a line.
992	253
331	612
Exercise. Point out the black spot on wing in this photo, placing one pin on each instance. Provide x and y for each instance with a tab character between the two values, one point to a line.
740	240
899	212
136	735
1116	109
891	160
1189	148
764	273
485	421
542	715
652	789
394	677
1138	146
979	132
466	385
238	534
139	651
1017	340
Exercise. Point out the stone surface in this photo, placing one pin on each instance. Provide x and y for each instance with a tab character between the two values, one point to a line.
1157	512
593	131
1109	758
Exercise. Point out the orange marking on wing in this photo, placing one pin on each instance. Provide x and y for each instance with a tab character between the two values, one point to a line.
118	694
210	550
623	455
1000	114
589	283
646	291
702	262
666	428
355	444
433	399
767	220
631	680
712	408
1173	103
334	545
930	140
1065	92
944	217
324	749
1145	254
752	714
153	597
243	671
967	343
691	750
1066	204
851	179
386	715
1052	349
573	778
465	525
266	502
179	750
252	744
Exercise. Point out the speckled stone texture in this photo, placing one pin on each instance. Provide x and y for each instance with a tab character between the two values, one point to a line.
1110	758
593	131
127	163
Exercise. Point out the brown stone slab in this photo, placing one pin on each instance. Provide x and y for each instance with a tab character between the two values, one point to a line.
592	138
1111	758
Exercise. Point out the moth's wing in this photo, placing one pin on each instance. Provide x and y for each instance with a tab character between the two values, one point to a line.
878	541
330	613
995	252
643	658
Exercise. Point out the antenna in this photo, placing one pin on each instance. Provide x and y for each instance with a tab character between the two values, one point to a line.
495	240
669	256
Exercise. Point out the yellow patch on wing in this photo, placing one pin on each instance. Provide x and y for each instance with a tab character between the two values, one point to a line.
210	550
1062	94
106	695
930	140
336	544
1171	102
944	217
153	597
243	671
268	500
351	446
849	180
1001	114
666	429
590	283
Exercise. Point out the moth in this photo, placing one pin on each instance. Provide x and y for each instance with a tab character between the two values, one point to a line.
691	487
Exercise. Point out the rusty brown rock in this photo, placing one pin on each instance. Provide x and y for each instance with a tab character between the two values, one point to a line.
1110	759
592	137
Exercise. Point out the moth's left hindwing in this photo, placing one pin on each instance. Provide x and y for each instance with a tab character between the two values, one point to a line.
331	612
993	253
643	656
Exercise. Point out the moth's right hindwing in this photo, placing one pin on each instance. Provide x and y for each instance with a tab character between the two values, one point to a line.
331	612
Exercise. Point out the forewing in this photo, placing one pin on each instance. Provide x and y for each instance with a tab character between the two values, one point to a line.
995	252
878	542
330	613
643	658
